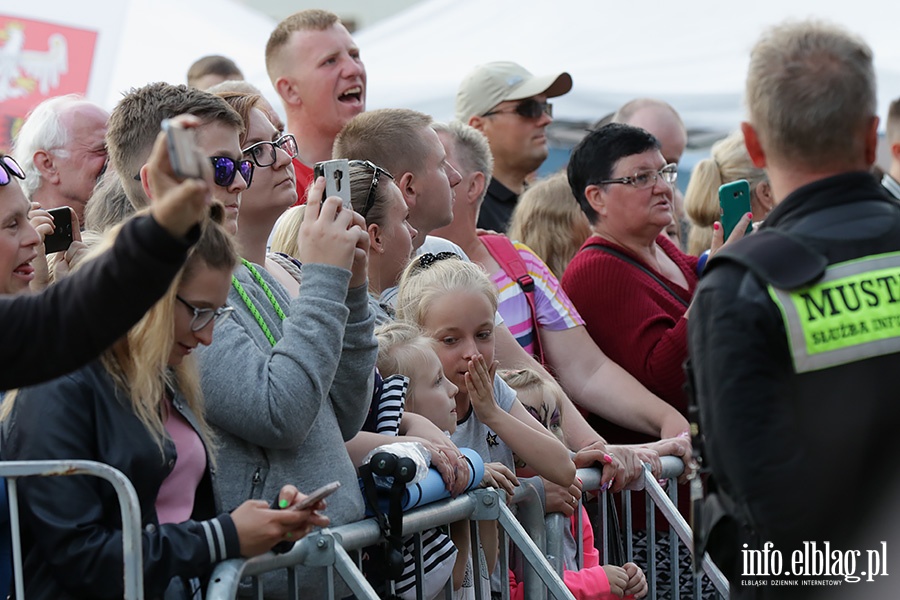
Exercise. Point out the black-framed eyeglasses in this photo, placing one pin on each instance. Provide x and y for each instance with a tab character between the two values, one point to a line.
373	187
226	168
10	168
204	316
642	180
530	108
263	153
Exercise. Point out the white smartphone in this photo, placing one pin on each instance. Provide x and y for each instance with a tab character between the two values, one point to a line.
337	179
183	152
319	494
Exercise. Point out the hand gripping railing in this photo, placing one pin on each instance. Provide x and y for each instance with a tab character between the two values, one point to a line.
128	504
672	467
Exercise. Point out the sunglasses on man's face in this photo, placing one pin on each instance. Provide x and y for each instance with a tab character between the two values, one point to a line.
225	169
530	108
9	168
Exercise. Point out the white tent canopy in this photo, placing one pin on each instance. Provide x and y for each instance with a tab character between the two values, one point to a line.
692	54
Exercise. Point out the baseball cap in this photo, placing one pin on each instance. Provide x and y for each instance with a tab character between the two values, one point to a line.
489	84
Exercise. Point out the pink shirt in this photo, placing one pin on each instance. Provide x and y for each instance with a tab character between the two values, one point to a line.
555	312
175	501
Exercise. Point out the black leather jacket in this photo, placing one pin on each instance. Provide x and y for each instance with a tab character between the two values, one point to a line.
803	454
46	335
71	526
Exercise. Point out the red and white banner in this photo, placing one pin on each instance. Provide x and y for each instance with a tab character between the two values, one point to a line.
39	60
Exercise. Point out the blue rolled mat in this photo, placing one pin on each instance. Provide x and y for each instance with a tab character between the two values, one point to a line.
431	489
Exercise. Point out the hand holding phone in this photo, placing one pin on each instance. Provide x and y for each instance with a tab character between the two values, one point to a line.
320	494
183	152
313	498
734	198
337	179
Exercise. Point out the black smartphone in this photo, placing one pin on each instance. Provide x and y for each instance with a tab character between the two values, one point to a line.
337	179
61	237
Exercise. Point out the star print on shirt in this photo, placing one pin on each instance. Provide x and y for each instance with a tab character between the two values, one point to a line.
492	440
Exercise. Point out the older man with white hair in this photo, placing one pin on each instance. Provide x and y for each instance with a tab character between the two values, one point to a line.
62	149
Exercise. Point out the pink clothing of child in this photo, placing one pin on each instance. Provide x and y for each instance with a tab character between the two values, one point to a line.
589	583
175	501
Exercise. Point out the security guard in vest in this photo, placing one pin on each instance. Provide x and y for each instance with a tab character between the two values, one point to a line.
794	334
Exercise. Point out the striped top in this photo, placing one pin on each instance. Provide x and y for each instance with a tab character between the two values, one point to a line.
554	309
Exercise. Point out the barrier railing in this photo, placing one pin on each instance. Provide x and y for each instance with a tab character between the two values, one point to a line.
539	541
331	548
128	505
679	530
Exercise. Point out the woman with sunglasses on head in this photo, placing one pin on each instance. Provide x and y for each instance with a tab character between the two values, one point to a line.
139	409
377	198
289	377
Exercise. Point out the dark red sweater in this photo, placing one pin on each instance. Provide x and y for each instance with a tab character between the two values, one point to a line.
633	319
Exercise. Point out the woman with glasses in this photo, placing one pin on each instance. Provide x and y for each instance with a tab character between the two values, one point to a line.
632	286
289	378
274	191
139	409
630	283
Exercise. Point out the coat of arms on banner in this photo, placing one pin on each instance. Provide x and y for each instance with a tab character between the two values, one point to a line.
39	60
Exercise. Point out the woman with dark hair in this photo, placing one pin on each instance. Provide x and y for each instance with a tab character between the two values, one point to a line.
629	282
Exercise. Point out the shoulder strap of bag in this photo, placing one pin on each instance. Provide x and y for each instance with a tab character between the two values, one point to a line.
504	252
638	265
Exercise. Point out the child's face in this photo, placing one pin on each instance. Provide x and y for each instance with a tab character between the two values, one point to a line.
541	404
432	393
463	325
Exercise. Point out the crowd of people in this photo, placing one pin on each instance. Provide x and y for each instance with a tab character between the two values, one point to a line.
232	341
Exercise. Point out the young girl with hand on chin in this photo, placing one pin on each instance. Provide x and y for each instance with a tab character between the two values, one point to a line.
541	398
454	302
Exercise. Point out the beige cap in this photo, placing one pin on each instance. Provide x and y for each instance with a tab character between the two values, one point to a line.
489	84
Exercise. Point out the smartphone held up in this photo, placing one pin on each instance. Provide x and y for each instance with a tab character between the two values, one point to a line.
183	152
734	198
337	179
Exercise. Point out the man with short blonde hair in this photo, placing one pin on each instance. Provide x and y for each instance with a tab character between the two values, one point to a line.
403	142
793	333
315	67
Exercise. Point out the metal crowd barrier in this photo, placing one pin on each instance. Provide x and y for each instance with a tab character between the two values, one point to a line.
331	548
538	539
679	530
128	504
